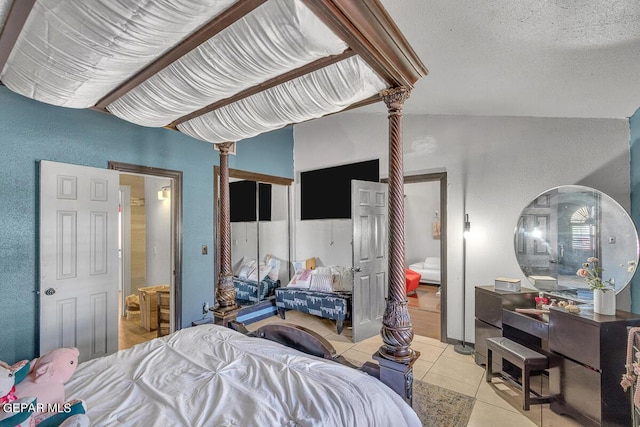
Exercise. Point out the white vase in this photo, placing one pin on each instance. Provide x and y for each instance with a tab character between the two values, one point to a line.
604	301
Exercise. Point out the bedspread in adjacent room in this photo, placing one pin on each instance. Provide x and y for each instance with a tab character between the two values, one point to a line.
209	375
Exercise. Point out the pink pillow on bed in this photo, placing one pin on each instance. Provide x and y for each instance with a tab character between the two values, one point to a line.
302	279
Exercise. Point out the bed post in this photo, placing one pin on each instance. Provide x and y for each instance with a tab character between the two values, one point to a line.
395	356
225	306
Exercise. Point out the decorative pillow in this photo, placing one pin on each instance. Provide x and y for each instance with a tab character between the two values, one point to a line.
274	273
342	278
321	282
246	271
262	271
301	279
322	270
308	264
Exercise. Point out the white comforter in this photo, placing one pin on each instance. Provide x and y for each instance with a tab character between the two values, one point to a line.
213	376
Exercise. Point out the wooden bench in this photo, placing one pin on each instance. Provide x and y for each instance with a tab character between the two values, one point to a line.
526	359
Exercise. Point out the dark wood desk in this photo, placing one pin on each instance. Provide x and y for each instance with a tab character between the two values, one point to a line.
588	352
593	349
489	304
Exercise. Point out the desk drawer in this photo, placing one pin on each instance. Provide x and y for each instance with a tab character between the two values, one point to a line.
489	308
484	331
580	390
575	339
525	323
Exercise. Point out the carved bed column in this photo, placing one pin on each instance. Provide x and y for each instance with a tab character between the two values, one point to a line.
396	357
397	333
225	293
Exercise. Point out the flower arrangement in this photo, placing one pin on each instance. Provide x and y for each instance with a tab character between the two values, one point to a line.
591	273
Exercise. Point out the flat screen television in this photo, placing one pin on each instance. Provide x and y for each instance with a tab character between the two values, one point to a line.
326	193
242	201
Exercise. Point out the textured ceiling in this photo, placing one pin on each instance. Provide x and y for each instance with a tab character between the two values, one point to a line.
557	58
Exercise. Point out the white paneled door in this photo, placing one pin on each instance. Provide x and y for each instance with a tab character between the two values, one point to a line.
78	259
369	206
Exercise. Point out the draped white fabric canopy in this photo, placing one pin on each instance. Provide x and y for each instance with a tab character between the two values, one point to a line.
282	35
4	10
73	52
256	66
327	90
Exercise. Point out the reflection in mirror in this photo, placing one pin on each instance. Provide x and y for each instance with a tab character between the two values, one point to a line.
274	233
563	227
244	229
259	215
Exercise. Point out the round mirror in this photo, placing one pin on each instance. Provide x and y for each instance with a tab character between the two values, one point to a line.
563	227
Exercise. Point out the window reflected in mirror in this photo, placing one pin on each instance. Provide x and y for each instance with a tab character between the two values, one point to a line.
565	226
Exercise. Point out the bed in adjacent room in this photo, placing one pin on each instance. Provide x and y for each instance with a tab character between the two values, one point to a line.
210	375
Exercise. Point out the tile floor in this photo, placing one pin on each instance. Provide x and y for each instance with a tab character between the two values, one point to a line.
496	405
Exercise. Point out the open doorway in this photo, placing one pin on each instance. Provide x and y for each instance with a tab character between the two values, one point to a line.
425	251
149	253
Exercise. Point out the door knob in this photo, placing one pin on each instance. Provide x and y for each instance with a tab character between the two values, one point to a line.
50	291
356	269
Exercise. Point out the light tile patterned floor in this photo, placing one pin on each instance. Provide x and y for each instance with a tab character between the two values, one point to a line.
496	405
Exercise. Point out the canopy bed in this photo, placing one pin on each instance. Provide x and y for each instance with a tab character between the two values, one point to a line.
222	71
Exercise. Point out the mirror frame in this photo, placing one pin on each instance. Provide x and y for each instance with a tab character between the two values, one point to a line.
544	201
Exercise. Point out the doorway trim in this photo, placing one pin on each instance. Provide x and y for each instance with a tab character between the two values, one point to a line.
176	198
125	235
442	178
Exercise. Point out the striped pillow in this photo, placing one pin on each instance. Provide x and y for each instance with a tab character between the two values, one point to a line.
321	283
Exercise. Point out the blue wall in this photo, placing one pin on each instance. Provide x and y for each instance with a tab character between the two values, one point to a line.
634	125
31	131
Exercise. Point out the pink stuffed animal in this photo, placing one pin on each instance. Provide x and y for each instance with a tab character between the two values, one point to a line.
47	376
11	414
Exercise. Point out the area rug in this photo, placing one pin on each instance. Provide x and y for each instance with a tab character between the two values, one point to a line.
440	407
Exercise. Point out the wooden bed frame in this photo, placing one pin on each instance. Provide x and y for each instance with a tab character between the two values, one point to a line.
305	340
371	34
295	336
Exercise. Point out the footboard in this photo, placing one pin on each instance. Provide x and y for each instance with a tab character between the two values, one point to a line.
398	376
296	337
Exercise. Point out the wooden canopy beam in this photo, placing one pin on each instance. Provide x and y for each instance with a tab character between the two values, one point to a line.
368	29
17	16
210	29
